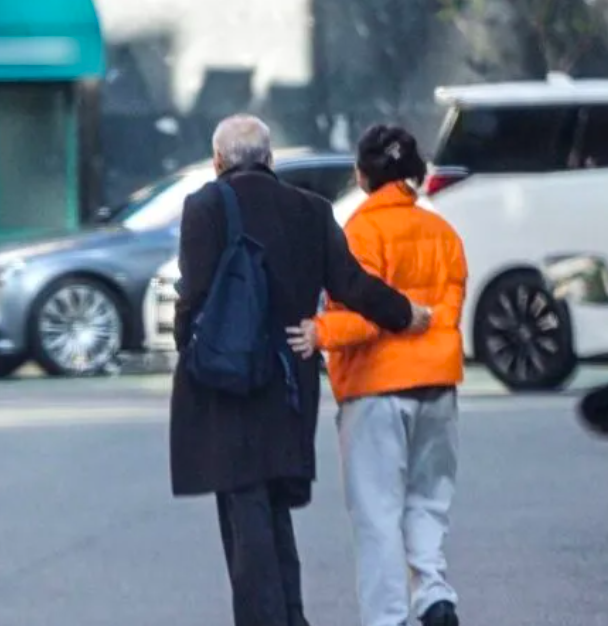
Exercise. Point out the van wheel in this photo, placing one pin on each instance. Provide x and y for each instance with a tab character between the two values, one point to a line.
10	364
524	335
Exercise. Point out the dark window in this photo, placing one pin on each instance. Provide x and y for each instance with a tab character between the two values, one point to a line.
523	139
329	180
38	177
594	143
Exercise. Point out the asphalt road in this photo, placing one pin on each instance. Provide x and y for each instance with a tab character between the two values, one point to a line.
89	535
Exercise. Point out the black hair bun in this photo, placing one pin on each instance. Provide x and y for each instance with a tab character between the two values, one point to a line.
389	153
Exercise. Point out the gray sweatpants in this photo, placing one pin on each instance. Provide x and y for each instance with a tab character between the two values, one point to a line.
399	457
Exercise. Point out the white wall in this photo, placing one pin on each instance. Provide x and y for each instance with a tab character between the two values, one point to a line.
270	36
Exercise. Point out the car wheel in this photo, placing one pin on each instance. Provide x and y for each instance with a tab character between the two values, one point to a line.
10	364
524	335
76	328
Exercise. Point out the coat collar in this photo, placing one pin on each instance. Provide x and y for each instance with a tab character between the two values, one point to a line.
250	168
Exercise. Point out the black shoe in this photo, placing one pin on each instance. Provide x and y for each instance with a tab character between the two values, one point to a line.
296	618
440	614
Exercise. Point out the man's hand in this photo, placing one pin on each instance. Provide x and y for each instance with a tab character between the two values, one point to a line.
421	319
303	338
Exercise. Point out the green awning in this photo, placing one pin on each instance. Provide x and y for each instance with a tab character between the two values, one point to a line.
49	40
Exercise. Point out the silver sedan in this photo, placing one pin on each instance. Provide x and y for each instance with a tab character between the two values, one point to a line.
73	302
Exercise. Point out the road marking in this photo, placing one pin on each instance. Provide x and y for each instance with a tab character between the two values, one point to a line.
66	416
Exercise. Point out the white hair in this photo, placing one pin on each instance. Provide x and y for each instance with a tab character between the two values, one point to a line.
241	140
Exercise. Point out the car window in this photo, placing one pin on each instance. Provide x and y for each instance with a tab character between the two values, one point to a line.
141	197
329	181
594	143
160	205
519	139
163	207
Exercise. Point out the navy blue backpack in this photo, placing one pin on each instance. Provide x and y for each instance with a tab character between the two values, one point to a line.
235	345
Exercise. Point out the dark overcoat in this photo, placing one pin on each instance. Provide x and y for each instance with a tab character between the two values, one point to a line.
221	442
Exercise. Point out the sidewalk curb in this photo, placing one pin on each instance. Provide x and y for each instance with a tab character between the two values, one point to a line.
147	363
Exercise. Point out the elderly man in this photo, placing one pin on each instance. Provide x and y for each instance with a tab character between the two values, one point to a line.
256	453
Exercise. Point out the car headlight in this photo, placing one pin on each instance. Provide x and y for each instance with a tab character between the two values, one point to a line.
10	270
580	278
165	288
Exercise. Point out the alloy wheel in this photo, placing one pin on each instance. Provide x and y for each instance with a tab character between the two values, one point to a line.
525	335
79	328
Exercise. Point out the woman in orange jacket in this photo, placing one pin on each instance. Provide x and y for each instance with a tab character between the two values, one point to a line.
397	393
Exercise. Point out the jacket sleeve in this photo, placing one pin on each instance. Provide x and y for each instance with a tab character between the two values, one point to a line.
339	328
202	240
348	283
448	312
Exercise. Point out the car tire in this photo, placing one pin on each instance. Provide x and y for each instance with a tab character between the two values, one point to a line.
10	364
523	334
76	328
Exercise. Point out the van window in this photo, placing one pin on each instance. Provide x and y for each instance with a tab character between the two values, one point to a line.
594	145
509	139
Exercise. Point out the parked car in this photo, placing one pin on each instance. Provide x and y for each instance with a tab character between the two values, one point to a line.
73	302
159	308
521	171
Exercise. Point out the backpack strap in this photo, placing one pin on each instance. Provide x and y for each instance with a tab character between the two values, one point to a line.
232	211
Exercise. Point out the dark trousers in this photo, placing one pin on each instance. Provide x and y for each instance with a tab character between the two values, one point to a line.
262	557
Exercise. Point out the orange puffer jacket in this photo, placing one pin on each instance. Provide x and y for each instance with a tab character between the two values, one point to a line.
418	253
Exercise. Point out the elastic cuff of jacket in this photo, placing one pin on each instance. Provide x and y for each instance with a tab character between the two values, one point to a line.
323	339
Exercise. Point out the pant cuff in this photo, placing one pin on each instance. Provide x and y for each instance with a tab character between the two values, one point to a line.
438	595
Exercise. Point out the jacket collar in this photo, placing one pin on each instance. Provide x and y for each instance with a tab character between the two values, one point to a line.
395	194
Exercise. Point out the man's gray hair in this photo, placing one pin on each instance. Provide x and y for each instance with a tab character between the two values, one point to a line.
242	140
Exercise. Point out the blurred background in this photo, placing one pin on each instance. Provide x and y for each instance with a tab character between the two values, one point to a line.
150	93
318	70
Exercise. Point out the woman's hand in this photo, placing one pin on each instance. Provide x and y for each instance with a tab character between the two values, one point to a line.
303	338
